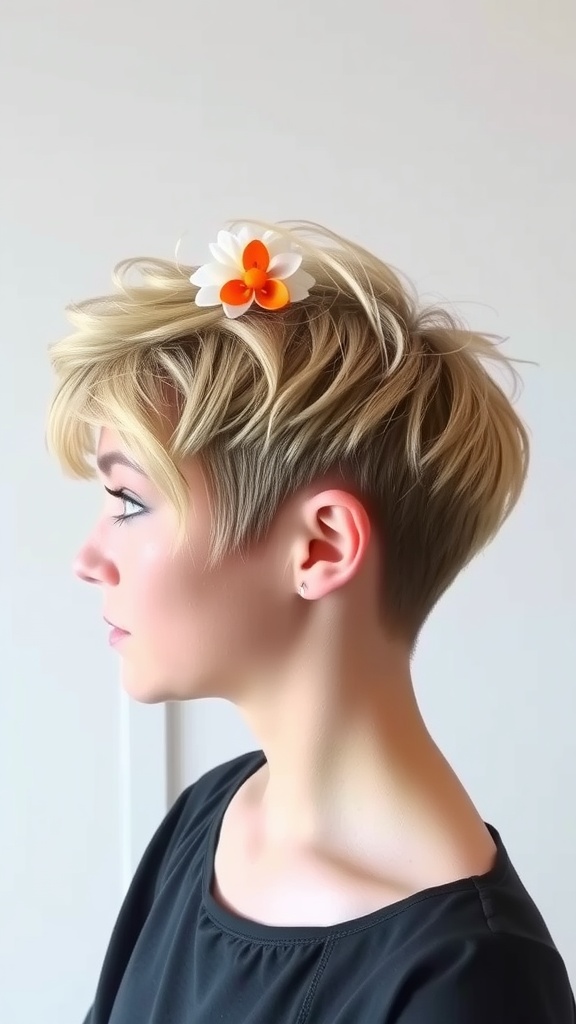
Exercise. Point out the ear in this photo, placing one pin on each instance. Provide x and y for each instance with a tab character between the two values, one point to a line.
336	535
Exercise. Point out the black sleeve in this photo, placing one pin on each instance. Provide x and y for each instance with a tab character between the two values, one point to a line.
136	906
500	979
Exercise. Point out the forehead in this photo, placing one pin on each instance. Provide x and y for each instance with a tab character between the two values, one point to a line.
110	444
110	451
108	439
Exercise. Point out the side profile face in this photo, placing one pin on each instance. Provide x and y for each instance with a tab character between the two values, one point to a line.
194	632
187	627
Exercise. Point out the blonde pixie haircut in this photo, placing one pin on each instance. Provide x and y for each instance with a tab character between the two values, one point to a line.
356	379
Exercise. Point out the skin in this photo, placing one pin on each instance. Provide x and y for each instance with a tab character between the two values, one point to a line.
356	805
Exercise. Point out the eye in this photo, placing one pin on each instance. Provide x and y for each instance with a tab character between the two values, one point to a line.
128	502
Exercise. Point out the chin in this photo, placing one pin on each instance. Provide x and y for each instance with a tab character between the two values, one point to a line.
146	691
144	696
148	687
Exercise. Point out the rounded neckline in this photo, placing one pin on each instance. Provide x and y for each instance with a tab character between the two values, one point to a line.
237	925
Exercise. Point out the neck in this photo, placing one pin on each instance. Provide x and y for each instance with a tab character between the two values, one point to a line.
348	753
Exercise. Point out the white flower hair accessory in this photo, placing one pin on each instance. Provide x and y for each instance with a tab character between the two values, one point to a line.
251	267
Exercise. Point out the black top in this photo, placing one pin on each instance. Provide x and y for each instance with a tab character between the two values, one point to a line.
473	951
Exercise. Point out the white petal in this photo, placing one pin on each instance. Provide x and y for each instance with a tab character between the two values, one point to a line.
284	265
245	235
232	312
299	284
221	256
303	279
275	243
297	292
208	296
229	244
213	273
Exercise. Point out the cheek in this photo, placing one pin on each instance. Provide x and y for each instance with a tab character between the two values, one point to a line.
166	615
161	587
196	632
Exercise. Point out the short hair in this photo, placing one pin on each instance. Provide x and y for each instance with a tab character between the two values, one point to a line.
357	378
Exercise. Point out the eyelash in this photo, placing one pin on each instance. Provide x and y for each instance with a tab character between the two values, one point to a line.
126	499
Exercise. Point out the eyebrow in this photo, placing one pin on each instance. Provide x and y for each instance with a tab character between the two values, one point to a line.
105	462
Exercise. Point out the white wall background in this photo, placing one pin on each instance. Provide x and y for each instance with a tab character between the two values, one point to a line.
442	135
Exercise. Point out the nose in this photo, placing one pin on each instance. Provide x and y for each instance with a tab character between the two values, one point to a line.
92	566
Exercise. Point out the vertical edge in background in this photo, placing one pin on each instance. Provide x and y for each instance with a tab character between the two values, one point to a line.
174	733
143	785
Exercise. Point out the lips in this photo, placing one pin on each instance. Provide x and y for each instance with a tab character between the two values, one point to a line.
114	626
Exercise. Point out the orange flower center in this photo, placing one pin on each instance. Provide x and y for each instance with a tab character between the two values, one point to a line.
255	278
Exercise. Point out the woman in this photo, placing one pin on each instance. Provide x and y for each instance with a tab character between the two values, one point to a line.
301	460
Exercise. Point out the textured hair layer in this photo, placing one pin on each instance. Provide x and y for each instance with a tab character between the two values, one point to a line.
356	379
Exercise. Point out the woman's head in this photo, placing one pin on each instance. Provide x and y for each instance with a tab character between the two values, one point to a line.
235	422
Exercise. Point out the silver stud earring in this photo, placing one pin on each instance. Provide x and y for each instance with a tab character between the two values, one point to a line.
301	589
